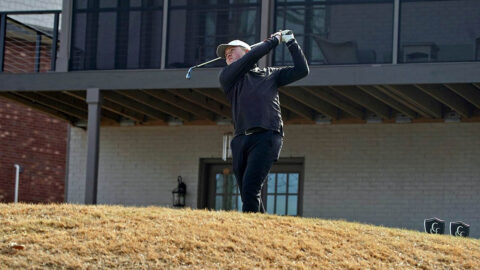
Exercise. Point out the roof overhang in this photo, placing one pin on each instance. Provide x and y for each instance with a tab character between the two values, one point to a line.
333	94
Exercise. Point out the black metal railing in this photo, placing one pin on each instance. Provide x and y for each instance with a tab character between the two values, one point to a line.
20	40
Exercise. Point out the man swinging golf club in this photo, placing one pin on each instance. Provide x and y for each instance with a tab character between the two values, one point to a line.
253	94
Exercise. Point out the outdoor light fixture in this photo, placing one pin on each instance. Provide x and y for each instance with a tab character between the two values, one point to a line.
452	117
127	123
178	194
221	121
372	118
175	122
401	118
323	119
81	123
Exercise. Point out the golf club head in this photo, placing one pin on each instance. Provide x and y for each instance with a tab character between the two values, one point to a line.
189	73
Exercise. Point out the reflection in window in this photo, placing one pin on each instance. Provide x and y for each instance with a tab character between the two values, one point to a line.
227	196
200	26
337	31
110	34
282	193
439	31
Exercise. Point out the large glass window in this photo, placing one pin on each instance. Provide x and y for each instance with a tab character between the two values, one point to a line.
281	194
337	31
439	31
196	27
227	196
111	34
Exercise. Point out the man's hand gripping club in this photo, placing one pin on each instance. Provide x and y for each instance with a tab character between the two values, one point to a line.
283	35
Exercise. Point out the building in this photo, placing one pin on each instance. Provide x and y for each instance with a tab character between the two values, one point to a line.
29	137
384	130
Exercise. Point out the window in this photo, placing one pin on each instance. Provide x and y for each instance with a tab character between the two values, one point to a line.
111	34
281	194
439	31
337	31
196	28
227	196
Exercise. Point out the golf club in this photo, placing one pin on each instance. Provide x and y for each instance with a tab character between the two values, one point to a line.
189	72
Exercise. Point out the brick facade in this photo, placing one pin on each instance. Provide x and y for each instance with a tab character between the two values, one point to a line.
38	143
28	137
386	174
20	56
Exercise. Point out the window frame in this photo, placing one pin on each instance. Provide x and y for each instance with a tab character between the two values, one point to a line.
284	169
205	186
224	193
92	13
309	6
209	7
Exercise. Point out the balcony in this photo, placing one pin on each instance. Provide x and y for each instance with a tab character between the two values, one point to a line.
416	74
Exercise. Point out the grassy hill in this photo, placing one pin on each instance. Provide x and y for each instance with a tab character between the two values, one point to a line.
101	237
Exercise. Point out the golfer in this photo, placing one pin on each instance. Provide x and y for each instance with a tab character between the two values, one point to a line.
253	94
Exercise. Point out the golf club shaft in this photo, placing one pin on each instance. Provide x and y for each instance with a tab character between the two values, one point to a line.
208	62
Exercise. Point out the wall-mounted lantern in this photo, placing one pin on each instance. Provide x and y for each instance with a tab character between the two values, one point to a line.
178	194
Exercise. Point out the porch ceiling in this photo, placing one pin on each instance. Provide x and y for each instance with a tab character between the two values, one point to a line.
300	104
336	94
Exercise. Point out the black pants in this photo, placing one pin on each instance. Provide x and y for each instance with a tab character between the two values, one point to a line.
253	157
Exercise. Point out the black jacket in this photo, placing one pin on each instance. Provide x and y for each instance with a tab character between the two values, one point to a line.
253	92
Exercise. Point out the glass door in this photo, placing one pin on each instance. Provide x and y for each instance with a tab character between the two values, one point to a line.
224	192
281	194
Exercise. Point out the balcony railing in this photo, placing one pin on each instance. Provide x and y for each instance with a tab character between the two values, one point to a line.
29	40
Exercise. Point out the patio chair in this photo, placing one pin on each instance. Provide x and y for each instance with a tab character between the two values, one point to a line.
343	52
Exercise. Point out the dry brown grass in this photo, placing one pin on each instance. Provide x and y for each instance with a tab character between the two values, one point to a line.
115	237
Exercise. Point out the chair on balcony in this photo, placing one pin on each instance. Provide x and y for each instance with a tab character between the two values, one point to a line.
343	52
419	52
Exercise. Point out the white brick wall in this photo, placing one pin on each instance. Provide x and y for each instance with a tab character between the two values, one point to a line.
140	165
389	174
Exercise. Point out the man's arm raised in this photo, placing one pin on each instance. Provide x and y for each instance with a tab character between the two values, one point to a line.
230	74
300	68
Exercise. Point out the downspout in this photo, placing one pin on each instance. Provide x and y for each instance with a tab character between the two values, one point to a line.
17	179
